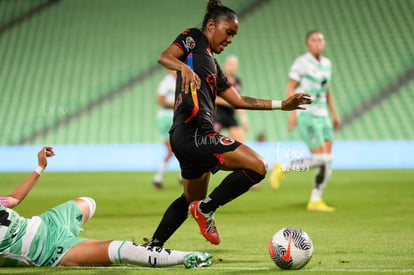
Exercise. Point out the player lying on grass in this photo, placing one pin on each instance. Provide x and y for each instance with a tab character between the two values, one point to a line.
52	238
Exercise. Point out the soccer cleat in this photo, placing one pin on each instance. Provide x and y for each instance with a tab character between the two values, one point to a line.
319	206
255	187
276	176
152	242
205	223
197	259
157	185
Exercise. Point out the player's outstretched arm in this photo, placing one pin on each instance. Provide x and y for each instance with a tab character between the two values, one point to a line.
21	191
294	102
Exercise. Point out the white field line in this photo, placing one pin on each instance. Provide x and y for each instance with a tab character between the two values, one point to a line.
374	270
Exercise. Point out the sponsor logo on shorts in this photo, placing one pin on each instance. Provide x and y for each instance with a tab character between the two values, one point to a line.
226	140
211	139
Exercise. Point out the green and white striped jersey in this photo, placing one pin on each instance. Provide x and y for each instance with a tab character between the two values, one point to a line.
314	78
18	239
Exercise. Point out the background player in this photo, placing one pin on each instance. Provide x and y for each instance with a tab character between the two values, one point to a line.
51	239
311	73
199	149
165	98
225	113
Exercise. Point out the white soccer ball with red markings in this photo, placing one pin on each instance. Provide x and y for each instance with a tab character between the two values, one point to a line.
291	248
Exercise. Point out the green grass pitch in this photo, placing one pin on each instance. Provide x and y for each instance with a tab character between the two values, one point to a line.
370	232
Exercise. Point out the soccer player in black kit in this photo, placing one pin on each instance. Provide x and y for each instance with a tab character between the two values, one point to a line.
198	148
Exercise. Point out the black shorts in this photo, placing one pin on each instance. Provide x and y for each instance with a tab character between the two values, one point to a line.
226	119
199	151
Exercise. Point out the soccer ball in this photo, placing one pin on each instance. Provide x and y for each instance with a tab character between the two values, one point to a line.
291	248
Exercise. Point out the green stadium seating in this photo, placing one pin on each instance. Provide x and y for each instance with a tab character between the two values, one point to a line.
74	53
392	119
11	10
369	43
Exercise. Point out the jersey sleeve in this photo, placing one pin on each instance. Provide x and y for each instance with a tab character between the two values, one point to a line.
297	70
187	40
4	201
222	82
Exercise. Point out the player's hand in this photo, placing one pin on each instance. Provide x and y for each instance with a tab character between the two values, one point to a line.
44	153
336	123
188	77
295	101
292	121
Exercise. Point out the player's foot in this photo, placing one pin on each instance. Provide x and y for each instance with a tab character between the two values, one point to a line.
255	187
157	184
153	242
197	259
205	223
276	176
319	206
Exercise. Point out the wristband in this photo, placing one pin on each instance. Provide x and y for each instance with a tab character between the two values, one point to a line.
276	104
39	170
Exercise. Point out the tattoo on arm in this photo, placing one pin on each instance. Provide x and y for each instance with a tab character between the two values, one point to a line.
254	102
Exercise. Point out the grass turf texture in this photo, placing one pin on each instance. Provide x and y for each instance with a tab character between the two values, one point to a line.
371	230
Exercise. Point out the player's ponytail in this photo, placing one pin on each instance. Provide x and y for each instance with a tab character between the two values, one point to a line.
217	12
212	4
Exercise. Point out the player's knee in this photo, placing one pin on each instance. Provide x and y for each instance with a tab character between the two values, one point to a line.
91	206
261	166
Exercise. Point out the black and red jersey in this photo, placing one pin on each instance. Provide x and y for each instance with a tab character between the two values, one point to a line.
198	109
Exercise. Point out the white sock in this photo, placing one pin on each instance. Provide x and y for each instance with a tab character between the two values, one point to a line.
160	173
126	252
316	194
322	177
305	164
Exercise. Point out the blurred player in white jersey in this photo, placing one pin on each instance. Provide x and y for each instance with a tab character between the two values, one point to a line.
311	73
165	98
